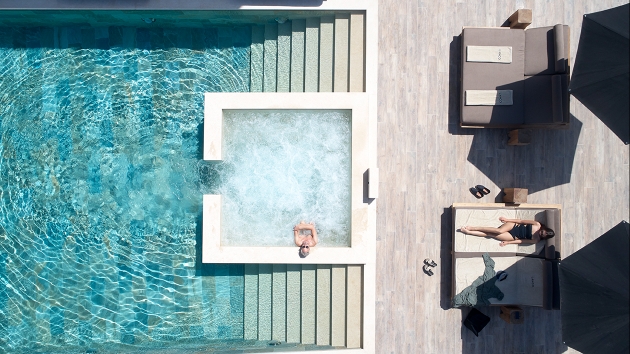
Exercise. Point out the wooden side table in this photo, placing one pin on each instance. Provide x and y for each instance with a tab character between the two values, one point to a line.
520	137
520	19
515	195
512	314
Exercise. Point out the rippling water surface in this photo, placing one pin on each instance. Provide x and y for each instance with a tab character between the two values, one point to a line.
280	167
100	188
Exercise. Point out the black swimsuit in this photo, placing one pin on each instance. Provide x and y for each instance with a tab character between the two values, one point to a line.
522	232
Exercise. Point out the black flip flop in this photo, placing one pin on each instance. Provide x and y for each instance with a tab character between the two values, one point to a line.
477	193
501	275
427	270
482	189
430	262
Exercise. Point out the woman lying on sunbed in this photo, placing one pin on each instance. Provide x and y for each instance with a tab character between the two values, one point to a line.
512	231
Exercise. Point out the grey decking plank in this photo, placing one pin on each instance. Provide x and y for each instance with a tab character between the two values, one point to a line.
427	163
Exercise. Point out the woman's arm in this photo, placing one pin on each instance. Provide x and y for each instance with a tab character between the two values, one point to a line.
296	236
304	227
298	227
519	221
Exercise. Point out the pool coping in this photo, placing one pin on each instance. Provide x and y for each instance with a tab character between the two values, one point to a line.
360	249
184	5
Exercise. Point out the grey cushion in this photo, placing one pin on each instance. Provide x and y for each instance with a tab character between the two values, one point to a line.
556	98
556	285
551	285
560	87
547	285
546	99
546	50
493	76
552	245
561	48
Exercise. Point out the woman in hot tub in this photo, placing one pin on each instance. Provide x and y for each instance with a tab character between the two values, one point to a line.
512	231
305	237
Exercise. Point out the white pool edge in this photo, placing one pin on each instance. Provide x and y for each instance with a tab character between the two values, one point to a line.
361	250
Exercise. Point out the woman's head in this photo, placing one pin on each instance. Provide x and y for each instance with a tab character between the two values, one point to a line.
546	232
305	250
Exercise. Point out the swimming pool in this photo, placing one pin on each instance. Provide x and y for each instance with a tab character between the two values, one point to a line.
100	212
99	187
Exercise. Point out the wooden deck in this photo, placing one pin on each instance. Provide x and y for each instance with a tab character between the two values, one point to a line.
427	163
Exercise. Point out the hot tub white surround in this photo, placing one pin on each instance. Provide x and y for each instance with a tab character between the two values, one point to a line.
361	235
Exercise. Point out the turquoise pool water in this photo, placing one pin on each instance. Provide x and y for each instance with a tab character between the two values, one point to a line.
101	180
282	166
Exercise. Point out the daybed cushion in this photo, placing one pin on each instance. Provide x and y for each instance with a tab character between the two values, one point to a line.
546	50
546	99
493	76
523	286
552	248
490	217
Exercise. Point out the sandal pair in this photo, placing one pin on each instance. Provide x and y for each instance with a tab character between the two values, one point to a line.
479	191
428	263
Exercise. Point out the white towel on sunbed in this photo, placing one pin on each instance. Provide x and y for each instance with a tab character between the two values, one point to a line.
489	54
488	97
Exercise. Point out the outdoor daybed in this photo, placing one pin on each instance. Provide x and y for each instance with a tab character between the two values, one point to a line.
532	268
521	75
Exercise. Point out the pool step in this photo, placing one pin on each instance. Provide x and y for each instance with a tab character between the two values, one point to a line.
294	302
312	305
270	58
326	50
298	33
311	55
257	58
340	79
356	75
279	302
284	57
317	54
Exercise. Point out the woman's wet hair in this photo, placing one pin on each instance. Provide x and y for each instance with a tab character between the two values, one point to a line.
549	233
303	254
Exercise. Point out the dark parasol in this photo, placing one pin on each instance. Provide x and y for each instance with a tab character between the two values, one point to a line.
594	294
600	77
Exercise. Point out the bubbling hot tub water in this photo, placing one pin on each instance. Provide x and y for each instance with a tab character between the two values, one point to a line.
280	167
